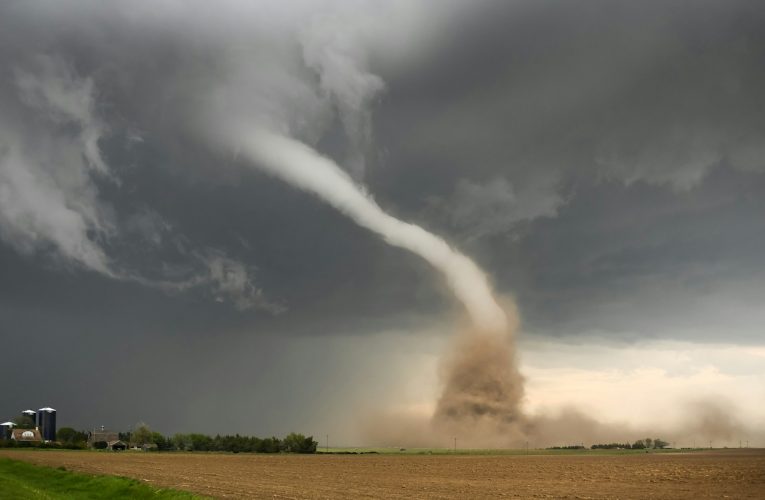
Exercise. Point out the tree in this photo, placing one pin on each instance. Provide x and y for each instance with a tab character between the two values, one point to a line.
638	445
161	441
298	443
201	442
660	443
65	435
648	443
69	436
182	442
142	434
268	445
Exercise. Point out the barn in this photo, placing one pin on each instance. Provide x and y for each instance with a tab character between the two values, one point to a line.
26	435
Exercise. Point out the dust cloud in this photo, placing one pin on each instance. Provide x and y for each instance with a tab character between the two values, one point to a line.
490	423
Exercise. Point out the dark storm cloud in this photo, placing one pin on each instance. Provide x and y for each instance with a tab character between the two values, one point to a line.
541	92
642	261
602	160
527	114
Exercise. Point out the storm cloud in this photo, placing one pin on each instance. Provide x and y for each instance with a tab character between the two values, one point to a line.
602	162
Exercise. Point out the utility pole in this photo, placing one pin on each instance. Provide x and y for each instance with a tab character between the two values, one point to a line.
455	444
327	447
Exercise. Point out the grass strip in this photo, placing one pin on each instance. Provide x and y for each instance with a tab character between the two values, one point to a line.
22	480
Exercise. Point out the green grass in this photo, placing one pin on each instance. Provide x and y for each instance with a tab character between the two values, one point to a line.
21	480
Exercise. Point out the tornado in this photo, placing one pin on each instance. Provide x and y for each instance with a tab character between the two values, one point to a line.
482	386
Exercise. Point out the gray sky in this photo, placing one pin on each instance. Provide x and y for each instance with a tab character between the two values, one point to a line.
603	162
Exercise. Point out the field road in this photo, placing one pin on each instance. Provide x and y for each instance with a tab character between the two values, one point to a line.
712	474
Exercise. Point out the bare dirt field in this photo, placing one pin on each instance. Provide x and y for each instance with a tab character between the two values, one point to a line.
712	474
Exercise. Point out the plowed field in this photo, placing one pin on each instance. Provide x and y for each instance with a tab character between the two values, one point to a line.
714	474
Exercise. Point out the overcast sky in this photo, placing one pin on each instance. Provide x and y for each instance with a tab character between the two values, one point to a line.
602	161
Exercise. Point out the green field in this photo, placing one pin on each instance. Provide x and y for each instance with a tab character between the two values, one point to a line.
22	480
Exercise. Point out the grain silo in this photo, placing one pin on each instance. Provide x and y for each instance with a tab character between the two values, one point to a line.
46	421
32	415
5	430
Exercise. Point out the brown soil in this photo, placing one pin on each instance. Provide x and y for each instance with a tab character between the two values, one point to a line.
713	474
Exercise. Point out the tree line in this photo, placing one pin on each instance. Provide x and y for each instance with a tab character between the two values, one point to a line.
144	437
640	444
291	443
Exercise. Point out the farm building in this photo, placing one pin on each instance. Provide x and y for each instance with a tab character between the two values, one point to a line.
26	435
42	423
116	445
5	430
46	422
108	439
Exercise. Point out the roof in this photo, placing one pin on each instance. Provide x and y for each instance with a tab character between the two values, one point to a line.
47	408
8	423
26	435
103	436
26	412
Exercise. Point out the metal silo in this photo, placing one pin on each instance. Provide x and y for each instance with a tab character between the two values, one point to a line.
31	414
5	430
46	420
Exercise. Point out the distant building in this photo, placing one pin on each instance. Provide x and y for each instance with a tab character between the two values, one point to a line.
31	414
42	423
5	430
111	438
46	422
26	435
102	435
116	445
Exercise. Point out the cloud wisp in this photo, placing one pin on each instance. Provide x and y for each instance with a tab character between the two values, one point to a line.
48	154
50	169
